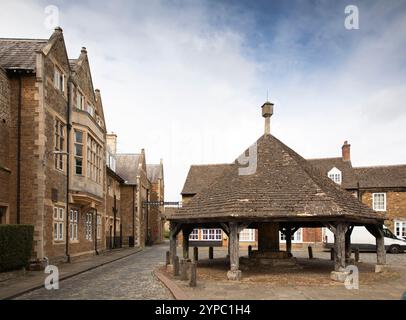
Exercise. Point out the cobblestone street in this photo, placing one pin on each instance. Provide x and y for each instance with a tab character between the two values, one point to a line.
128	278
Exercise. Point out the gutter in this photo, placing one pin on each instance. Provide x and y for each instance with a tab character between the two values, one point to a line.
68	130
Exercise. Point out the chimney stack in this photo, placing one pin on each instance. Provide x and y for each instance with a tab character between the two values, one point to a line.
346	151
267	112
111	140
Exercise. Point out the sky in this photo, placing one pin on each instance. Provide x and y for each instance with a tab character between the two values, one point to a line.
186	79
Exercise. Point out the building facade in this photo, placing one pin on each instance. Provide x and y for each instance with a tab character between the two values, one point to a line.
56	143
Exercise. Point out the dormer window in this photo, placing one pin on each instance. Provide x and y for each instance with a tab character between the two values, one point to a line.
335	175
59	80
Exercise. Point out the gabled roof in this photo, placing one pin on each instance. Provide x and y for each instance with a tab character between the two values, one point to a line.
154	172
127	166
382	176
20	53
284	185
201	176
349	177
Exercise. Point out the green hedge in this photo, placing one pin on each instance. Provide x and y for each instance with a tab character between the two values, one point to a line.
15	246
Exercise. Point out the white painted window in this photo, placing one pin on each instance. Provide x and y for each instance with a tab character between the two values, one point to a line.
247	235
88	226
73	225
400	228
297	237
211	234
379	201
59	224
194	235
335	175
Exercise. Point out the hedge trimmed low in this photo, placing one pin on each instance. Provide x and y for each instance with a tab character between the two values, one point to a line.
15	246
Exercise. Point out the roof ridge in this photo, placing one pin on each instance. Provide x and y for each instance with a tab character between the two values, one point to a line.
24	39
381	166
214	164
327	158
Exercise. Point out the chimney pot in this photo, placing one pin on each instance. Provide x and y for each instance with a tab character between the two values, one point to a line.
58	29
346	151
84	50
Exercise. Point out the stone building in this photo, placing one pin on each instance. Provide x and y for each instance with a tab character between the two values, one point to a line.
113	221
56	143
155	174
383	188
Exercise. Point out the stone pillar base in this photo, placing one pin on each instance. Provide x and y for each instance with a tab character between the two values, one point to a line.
234	275
381	268
169	268
339	276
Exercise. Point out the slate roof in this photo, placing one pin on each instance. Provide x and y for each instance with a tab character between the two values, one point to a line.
20	53
127	166
382	176
285	185
349	176
201	176
154	172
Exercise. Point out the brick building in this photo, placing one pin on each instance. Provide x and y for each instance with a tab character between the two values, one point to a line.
56	142
383	188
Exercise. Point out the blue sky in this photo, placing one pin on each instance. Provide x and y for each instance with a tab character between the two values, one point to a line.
185	79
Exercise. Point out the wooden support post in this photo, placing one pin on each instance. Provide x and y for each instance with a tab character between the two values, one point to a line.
193	274
348	245
288	235
249	251
176	266
234	273
356	254
380	249
185	242
332	254
310	250
211	255
168	258
183	265
339	246
195	254
172	241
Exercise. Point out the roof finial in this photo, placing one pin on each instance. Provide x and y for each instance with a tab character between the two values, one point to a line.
267	112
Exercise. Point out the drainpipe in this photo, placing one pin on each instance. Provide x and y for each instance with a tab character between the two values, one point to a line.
68	130
114	222
18	198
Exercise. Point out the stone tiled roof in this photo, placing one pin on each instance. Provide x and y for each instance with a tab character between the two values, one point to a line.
127	166
201	176
284	185
382	176
154	172
20	53
349	177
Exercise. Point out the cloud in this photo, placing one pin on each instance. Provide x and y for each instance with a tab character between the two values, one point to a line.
185	80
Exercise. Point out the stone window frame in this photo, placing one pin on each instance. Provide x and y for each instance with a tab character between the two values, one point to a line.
80	100
378	205
77	156
89	226
94	161
58	224
59	143
99	226
59	79
74	225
